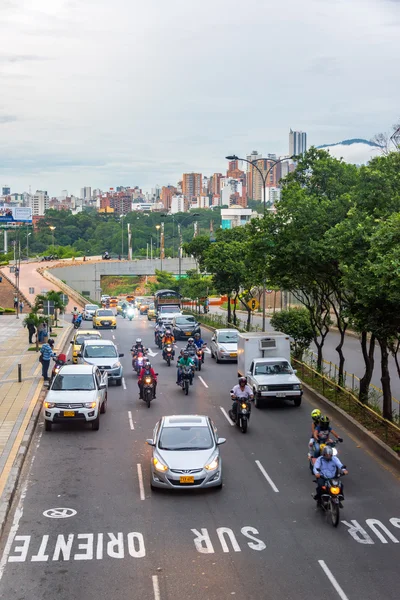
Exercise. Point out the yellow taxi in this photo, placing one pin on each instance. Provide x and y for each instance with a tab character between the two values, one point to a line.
104	318
113	301
151	313
78	339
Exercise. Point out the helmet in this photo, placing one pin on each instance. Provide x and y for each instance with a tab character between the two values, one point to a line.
242	380
147	364
324	420
327	453
75	308
138	340
197	336
316	414
190	340
321	448
185	353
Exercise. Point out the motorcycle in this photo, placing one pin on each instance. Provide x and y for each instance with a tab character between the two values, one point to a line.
77	322
137	361
186	379
160	336
332	497
148	389
200	357
59	361
243	411
193	356
130	313
168	353
311	459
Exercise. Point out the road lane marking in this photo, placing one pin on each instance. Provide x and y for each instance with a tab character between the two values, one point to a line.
156	588
130	419
332	579
59	513
151	353
69	350
267	477
123	383
227	417
203	382
140	477
113	336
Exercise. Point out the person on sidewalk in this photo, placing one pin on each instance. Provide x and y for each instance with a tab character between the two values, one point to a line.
47	353
16	302
31	331
42	332
21	307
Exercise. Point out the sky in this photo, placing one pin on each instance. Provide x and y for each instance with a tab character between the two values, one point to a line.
103	93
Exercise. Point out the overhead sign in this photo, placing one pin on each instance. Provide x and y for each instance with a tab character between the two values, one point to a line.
15	214
253	304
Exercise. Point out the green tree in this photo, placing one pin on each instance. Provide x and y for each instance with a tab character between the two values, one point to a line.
196	286
35	319
296	323
55	298
165	281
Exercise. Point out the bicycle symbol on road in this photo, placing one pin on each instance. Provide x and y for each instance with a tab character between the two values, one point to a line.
59	513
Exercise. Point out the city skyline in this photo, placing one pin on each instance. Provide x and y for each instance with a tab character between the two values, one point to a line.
79	111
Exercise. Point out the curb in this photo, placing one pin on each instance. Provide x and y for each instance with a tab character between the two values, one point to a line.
15	473
375	444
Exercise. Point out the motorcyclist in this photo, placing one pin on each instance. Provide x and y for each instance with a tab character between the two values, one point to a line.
147	369
78	320
191	348
315	416
326	467
138	347
199	342
158	330
124	308
241	390
322	433
74	313
168	339
184	361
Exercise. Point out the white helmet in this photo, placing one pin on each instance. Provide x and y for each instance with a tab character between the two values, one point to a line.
139	340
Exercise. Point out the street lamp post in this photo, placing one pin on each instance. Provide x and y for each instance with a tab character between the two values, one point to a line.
27	245
52	228
264	181
158	227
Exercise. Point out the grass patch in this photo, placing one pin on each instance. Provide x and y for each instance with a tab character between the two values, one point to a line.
33	349
116	285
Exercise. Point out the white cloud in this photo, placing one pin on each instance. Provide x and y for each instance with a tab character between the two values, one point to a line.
105	92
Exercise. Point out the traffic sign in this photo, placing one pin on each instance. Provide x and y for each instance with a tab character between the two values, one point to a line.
253	304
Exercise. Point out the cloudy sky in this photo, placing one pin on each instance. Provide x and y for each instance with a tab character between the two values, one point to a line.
136	92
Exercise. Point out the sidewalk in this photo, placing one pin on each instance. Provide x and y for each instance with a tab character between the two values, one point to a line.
19	402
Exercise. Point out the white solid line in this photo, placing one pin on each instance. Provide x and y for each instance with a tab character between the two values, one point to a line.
69	350
267	477
123	383
333	581
156	588
140	477
113	336
203	382
130	419
227	416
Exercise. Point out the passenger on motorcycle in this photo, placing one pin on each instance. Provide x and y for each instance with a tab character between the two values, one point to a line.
322	433
326	467
147	369
191	348
241	390
315	416
184	361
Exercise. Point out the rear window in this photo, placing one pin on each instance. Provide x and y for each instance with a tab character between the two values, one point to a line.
91	307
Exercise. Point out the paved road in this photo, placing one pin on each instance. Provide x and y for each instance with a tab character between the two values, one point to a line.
352	352
251	540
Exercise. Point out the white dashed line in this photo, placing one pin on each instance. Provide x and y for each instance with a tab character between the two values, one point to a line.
156	588
69	350
227	417
113	336
130	420
123	383
140	477
267	477
203	382
333	581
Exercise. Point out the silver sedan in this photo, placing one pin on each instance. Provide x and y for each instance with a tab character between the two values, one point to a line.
185	453
224	345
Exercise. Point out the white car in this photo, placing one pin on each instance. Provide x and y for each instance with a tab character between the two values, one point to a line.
89	311
224	345
104	355
77	393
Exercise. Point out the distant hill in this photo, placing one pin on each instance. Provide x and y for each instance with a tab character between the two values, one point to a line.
357	150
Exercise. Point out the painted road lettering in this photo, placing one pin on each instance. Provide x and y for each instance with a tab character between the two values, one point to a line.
227	540
363	533
77	547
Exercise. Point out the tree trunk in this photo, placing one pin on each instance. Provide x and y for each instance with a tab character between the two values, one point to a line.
274	301
234	308
228	317
368	355
319	353
341	356
248	319
385	379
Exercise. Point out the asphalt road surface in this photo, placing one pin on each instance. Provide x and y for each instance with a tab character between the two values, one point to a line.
87	526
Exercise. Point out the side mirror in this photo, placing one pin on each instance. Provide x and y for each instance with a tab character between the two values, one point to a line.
102	386
294	371
150	442
248	373
120	355
221	441
80	354
72	341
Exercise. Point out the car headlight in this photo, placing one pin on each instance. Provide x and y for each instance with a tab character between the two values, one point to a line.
159	465
49	404
263	388
213	464
117	365
297	386
90	404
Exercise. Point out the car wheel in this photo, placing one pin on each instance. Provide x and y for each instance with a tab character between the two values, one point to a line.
103	409
96	424
153	487
297	401
118	382
48	425
257	400
217	359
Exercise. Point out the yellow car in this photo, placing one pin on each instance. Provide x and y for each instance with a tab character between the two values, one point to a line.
79	337
151	313
104	318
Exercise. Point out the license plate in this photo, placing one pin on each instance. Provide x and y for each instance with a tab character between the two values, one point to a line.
281	394
187	333
106	322
233	355
69	413
186	479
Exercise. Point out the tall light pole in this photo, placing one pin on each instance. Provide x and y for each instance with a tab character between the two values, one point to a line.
264	182
27	245
52	228
158	227
122	235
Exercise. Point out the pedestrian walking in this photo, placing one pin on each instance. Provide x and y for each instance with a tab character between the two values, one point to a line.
46	354
31	331
16	302
21	307
42	332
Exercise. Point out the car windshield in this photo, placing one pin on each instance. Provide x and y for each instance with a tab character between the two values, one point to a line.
91	307
105	313
100	351
185	321
281	367
81	338
71	382
185	438
228	338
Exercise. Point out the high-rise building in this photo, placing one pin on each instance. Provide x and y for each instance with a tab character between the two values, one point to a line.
39	203
167	193
253	176
86	193
5	190
297	143
215	186
192	185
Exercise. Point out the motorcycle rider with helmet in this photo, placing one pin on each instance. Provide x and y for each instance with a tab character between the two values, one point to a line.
138	347
74	313
199	342
191	348
326	467
168	339
184	361
315	416
147	369
322	433
240	390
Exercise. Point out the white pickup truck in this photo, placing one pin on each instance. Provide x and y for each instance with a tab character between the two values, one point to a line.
264	358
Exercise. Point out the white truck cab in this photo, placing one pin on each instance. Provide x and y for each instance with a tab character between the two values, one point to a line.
264	358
